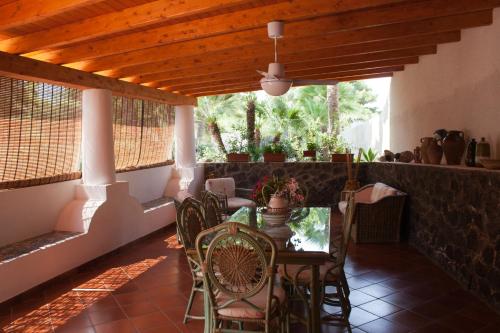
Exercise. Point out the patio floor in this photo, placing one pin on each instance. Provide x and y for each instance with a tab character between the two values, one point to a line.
144	288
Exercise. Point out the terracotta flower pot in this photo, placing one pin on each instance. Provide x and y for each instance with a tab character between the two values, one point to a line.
277	205
454	147
342	157
238	157
274	157
310	153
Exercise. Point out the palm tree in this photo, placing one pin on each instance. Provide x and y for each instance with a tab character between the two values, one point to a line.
332	97
209	109
250	112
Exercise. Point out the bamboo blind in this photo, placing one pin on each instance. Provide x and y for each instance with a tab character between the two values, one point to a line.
143	133
40	133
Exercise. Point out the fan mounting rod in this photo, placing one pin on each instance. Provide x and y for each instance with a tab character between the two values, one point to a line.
275	30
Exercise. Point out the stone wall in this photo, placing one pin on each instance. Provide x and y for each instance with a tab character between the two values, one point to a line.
453	214
322	180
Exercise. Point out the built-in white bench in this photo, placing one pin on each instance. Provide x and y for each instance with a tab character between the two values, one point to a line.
157	203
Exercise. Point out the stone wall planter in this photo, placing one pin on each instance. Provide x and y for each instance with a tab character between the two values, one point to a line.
238	157
341	157
274	157
310	153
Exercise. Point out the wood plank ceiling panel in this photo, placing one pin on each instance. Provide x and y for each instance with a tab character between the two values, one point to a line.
200	47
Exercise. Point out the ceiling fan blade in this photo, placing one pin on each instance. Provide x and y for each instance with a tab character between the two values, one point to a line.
298	83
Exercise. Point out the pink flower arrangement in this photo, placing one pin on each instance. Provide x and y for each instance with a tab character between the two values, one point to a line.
284	188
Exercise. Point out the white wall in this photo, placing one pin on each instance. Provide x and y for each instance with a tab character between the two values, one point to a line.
147	184
32	211
458	88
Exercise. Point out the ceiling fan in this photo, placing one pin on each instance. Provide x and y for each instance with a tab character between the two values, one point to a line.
274	82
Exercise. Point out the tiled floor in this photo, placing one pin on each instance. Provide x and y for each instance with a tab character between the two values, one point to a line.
144	288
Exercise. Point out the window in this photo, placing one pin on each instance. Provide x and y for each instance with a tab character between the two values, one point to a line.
143	133
40	133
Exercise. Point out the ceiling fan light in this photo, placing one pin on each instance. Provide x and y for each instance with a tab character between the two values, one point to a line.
275	87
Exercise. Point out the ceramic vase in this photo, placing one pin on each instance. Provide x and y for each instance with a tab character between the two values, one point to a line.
277	205
454	147
424	146
434	152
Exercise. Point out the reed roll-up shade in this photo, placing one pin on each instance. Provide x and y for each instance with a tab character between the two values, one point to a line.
40	133
143	133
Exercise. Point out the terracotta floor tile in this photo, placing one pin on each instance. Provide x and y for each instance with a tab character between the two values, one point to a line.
375	276
403	300
107	315
152	320
376	290
408	319
433	310
461	323
130	298
119	326
139	308
383	326
357	298
359	317
74	330
380	308
356	282
167	328
435	328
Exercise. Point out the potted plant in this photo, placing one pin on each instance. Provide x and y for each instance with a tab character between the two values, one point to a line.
237	152
312	148
274	152
338	149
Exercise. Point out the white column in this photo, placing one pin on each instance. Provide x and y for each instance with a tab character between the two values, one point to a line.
98	158
185	155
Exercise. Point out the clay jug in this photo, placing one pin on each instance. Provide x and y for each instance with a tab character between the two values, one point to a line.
434	152
424	146
454	147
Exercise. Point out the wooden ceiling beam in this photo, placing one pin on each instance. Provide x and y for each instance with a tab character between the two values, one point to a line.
22	12
441	24
234	22
29	69
326	74
305	61
318	68
301	50
256	87
130	18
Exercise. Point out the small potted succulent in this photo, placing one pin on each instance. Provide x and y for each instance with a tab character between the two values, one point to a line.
274	152
312	148
237	151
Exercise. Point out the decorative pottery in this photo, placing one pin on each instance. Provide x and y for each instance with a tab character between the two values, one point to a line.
434	152
273	219
342	157
277	205
418	155
470	156
440	134
482	151
490	164
424	146
406	156
238	157
454	147
274	157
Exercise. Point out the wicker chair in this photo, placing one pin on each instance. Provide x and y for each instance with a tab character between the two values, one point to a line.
231	197
377	218
331	275
212	207
190	222
239	274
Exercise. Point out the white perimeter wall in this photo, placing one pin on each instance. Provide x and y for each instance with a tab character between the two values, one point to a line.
459	88
32	211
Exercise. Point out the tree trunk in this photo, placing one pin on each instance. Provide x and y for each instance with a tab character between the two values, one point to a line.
213	127
332	99
251	122
257	137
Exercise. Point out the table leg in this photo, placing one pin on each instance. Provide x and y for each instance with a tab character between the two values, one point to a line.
315	298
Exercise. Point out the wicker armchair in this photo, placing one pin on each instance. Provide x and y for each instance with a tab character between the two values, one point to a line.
190	222
239	274
212	207
378	213
231	197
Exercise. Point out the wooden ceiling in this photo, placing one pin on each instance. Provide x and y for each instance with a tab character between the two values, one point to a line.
207	47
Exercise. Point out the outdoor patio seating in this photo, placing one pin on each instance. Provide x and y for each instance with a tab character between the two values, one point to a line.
378	213
231	197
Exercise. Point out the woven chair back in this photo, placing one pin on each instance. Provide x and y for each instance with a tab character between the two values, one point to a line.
190	221
237	265
213	212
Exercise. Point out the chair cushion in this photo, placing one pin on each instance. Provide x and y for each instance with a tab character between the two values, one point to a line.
221	186
236	203
343	206
380	191
305	275
241	309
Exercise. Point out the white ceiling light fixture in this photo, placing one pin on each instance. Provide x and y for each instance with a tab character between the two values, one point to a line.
274	82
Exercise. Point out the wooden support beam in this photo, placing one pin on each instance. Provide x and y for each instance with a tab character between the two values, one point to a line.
160	11
250	74
301	50
323	76
250	37
239	21
29	69
20	12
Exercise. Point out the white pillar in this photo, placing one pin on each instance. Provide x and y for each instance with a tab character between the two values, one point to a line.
98	158
185	155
